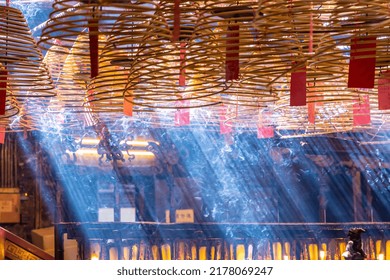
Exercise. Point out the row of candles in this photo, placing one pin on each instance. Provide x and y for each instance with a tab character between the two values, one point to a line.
305	249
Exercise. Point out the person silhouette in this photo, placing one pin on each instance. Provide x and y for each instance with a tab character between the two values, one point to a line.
354	250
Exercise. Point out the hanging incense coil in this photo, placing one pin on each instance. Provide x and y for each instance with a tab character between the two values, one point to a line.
9	120
75	74
170	73
351	18
149	67
71	18
118	54
304	20
23	75
55	59
27	76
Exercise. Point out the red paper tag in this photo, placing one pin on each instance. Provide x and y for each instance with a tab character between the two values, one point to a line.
384	92
298	87
311	112
94	46
265	132
264	128
361	111
182	116
3	91
2	134
232	67
176	21
128	106
182	77
362	63
225	126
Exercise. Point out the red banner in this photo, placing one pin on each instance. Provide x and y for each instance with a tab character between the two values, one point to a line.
3	90
298	87
225	126
93	25
361	111
232	67
384	91
182	116
362	60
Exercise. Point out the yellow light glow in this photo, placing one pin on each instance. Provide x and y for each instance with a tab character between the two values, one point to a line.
139	143
142	153
90	141
134	143
94	257
286	258
86	151
322	255
166	252
381	257
240	252
203	253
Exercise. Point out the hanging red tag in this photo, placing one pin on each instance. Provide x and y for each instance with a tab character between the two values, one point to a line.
298	87
384	91
176	21
3	91
2	134
361	111
232	67
264	127
94	46
265	132
362	62
182	77
182	116
225	126
128	106
311	112
313	100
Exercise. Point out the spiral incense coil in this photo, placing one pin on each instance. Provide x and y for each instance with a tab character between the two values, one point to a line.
118	54
303	20
144	64
70	18
351	18
260	60
55	59
75	75
27	76
327	74
170	73
12	110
